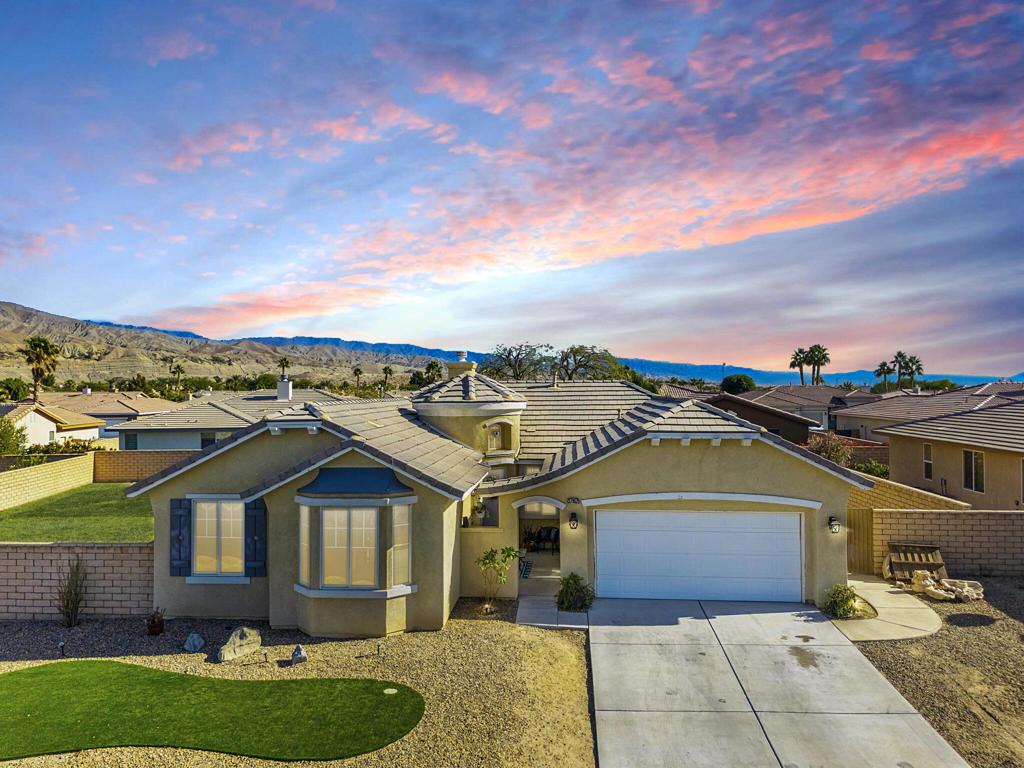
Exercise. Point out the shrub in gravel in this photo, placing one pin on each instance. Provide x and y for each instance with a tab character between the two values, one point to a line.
71	592
574	594
495	564
840	601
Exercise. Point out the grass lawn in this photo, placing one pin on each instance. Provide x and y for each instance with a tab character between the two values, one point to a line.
95	512
108	703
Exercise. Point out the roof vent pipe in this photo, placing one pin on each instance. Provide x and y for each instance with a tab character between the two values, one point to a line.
284	388
86	390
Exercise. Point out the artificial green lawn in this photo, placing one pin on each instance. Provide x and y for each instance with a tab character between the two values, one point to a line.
71	705
95	512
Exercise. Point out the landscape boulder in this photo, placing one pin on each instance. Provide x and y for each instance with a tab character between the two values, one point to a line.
243	641
194	642
964	591
299	655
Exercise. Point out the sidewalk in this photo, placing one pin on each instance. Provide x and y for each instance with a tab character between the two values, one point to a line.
901	616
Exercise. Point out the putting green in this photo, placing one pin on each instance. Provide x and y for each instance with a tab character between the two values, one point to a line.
71	705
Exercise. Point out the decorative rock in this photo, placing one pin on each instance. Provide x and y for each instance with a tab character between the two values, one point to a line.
299	655
964	591
194	642
243	640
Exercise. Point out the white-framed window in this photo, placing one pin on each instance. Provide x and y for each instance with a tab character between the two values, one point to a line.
928	466
974	471
401	544
348	548
304	545
218	537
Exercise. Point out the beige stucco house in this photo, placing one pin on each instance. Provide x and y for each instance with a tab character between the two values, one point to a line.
976	456
50	424
367	517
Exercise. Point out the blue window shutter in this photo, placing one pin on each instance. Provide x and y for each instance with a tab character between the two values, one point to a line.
181	537
256	538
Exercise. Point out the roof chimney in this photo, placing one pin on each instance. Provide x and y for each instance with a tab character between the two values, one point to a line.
284	388
917	389
461	366
86	390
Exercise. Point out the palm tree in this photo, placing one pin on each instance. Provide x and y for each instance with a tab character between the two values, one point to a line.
283	364
913	367
799	360
884	371
358	373
817	358
177	371
900	361
386	370
42	356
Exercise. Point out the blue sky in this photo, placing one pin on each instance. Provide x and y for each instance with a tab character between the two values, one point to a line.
689	181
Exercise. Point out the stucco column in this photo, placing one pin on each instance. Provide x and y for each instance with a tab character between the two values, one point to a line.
575	544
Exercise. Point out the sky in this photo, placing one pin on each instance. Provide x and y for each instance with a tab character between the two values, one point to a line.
686	180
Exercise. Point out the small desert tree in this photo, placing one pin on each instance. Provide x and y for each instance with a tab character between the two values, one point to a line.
738	383
829	446
284	364
13	438
495	564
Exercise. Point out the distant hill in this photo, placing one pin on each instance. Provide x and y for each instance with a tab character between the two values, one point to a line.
98	350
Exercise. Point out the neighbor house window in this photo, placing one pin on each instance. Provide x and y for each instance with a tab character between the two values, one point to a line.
53	436
349	547
304	545
219	538
131	441
974	471
401	560
928	467
206	439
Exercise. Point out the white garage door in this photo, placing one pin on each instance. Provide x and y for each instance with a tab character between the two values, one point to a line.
698	555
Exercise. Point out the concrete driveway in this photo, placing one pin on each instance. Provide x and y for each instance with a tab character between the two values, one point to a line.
688	683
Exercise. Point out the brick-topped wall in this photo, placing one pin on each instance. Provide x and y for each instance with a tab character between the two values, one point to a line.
20	486
130	466
119	579
862	453
889	495
973	542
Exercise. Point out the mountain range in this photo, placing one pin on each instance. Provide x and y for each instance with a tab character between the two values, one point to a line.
97	350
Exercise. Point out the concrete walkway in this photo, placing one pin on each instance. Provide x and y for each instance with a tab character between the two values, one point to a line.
901	616
702	684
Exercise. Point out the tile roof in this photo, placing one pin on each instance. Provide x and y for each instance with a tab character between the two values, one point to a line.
468	387
790	395
109	403
1016	388
662	417
723	399
229	413
64	418
913	407
683	392
1000	427
558	415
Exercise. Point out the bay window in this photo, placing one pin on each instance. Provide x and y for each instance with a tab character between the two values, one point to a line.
401	552
304	545
219	539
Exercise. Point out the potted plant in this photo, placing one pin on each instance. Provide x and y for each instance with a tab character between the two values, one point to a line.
155	622
479	509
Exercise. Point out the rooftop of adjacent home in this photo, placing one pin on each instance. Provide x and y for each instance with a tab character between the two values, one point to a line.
65	419
912	408
110	404
1000	427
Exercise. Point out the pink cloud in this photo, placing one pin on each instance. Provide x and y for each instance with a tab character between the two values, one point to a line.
176	46
791	34
343	128
467	87
819	82
220	140
145	177
537	115
635	72
968	20
881	50
391	115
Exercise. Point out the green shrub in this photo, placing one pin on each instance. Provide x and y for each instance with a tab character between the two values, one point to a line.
574	594
840	601
872	467
829	446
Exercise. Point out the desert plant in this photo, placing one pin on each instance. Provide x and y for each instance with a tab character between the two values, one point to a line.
42	356
840	601
574	594
155	622
13	438
829	446
495	564
71	592
738	383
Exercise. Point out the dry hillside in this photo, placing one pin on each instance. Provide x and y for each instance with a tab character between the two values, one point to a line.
97	352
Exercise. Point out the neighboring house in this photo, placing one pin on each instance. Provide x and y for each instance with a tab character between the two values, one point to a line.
202	422
976	456
112	408
50	424
865	421
364	517
817	402
787	425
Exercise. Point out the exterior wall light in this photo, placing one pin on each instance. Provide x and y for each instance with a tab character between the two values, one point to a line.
833	524
574	520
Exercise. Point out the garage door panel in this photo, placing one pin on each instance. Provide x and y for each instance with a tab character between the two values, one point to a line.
699	555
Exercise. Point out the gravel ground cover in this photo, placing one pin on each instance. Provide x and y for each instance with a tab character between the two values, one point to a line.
497	694
968	678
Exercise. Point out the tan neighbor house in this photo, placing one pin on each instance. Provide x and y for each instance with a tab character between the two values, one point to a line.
110	408
50	424
976	456
366	517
